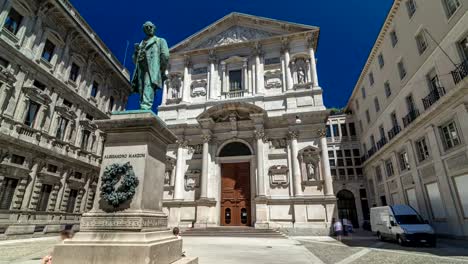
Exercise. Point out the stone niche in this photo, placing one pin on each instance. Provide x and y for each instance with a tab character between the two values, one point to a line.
309	159
279	176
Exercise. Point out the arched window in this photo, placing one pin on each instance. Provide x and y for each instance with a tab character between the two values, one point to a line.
235	149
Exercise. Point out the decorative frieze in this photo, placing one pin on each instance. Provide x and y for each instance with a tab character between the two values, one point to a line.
122	223
273	79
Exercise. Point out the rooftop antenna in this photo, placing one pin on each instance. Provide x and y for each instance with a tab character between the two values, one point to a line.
125	57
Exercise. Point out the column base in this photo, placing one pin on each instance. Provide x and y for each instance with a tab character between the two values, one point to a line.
205	213
121	248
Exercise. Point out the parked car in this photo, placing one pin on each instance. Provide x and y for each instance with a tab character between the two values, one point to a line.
401	223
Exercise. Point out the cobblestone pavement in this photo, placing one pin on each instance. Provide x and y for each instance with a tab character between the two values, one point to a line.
297	250
367	249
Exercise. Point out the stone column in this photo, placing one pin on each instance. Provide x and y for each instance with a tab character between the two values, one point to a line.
313	63
287	62
213	91
296	168
63	185
165	91
326	164
245	78
29	188
259	136
186	91
180	170
224	82
84	199
205	167
258	53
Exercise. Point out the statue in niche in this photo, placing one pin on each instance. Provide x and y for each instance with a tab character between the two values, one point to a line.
311	174
301	75
151	58
175	83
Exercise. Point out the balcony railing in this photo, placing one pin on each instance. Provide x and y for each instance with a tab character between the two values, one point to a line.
433	97
410	117
371	151
235	94
460	72
394	131
382	142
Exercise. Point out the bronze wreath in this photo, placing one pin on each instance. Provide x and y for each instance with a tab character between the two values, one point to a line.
128	183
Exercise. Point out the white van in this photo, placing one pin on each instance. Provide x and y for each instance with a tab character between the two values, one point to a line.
401	223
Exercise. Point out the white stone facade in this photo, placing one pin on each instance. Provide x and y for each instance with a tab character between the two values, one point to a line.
245	90
411	103
56	76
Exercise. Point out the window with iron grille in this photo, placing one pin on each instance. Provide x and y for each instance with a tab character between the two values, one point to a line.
44	195
403	160
381	60
411	7
7	191
393	38
421	42
401	69
377	105
450	136
389	168
422	150
235	80
451	6
388	89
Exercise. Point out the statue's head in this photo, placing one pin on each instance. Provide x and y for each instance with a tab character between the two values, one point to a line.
149	28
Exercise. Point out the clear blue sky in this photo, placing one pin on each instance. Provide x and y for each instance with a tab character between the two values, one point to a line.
348	28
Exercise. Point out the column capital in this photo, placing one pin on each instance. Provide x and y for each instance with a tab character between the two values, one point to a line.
321	132
187	61
206	138
257	49
182	142
284	45
310	40
260	134
293	134
212	58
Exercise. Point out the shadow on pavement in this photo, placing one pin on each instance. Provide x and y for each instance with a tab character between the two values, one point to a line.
444	248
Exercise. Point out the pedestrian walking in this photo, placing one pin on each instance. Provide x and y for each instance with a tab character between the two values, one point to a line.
337	228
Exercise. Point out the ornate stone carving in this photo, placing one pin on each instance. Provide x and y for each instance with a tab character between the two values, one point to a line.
66	112
260	134
273	79
322	132
206	138
310	159
212	58
279	175
37	95
6	76
196	149
88	125
257	49
279	143
284	45
293	134
198	88
122	223
235	34
192	179
183	143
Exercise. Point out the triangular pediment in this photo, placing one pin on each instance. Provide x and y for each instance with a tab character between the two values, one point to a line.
234	34
238	28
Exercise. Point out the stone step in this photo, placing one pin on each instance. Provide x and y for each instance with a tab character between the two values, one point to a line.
233	232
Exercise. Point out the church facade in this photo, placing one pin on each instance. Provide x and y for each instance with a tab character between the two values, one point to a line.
243	98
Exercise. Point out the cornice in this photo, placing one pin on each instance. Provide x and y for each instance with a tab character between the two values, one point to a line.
378	43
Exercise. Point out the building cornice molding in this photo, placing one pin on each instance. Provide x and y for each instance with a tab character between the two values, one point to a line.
378	43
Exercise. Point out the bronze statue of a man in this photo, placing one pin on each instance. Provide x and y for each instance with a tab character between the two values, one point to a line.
151	58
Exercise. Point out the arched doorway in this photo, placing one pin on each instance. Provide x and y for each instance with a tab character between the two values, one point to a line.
235	186
347	207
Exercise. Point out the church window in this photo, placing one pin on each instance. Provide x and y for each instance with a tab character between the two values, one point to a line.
94	89
235	80
74	72
85	139
31	113
48	51
62	126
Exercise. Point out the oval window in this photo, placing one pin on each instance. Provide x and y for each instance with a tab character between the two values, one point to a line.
227	216
244	216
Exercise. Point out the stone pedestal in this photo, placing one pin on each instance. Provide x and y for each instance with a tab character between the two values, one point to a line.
134	230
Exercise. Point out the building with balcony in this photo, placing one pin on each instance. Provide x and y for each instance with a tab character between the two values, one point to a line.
243	97
56	76
411	107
